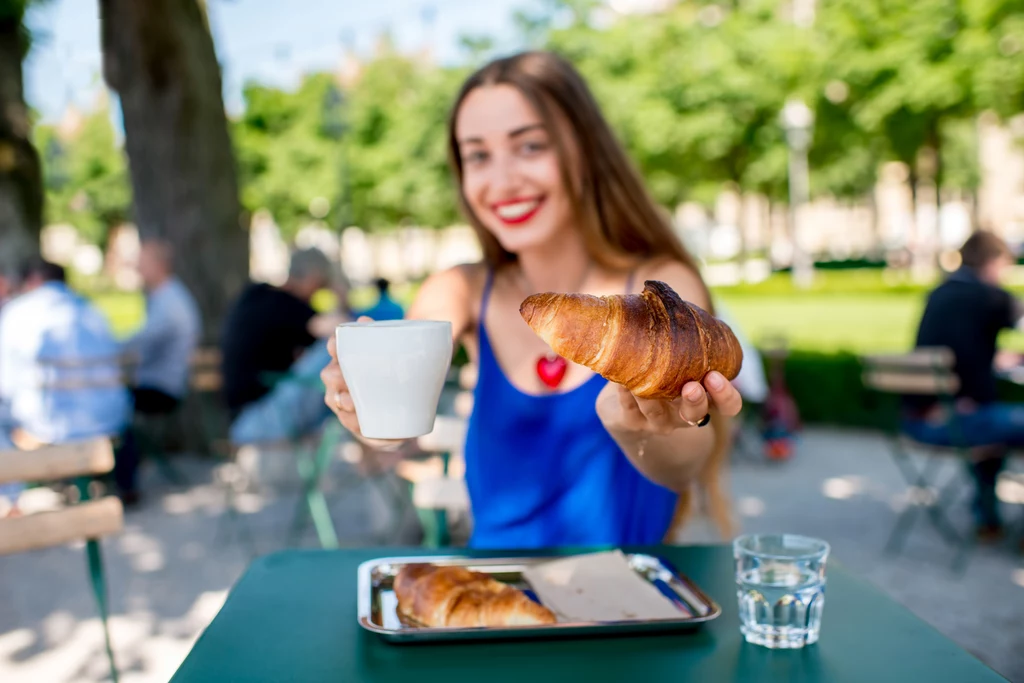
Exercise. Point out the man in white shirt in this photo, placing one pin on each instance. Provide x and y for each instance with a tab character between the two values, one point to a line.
163	347
59	376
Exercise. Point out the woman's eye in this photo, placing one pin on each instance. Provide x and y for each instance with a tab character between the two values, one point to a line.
474	157
533	147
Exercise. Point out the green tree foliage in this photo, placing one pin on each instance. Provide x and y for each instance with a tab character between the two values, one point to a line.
397	143
694	93
284	155
917	73
376	151
86	176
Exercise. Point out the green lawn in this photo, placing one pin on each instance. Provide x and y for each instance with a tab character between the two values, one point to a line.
828	322
852	310
125	310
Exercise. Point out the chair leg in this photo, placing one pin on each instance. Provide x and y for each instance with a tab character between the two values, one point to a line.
311	470
920	483
898	535
300	517
905	522
99	589
917	484
236	521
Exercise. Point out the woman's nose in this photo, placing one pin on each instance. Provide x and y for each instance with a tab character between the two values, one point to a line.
503	173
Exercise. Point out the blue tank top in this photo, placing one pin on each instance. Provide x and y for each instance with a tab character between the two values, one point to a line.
542	470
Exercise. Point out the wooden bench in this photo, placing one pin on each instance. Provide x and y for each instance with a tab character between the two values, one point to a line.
924	372
87	521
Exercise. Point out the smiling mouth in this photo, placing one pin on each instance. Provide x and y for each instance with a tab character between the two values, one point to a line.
517	211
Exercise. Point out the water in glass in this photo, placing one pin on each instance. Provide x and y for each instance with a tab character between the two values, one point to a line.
780	586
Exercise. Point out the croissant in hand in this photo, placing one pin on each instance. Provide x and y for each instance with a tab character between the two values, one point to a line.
652	343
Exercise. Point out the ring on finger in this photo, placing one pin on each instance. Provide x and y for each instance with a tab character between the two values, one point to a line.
337	400
699	423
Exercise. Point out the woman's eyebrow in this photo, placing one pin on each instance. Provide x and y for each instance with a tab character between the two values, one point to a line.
515	133
526	129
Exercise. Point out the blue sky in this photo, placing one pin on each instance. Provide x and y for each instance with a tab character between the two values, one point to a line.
272	41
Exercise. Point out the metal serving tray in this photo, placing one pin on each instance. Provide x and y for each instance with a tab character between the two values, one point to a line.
378	613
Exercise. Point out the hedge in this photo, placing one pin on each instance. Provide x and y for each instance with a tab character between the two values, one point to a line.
828	390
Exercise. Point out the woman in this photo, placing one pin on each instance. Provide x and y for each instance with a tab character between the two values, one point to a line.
556	455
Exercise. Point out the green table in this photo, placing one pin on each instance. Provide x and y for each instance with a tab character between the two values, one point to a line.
292	617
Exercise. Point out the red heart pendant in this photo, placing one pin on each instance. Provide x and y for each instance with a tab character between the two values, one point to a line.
551	370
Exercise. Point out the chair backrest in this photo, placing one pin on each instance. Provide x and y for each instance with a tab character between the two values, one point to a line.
924	371
89	519
448	436
79	374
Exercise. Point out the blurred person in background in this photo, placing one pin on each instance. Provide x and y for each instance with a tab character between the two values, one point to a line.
555	454
386	308
269	327
966	313
60	378
7	491
295	407
163	350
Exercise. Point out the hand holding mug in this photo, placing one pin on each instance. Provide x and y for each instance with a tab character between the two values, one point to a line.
385	378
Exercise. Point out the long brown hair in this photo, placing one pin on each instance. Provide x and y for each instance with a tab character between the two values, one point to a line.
619	220
621	223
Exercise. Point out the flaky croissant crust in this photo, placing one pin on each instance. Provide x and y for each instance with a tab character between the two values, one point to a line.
459	598
652	343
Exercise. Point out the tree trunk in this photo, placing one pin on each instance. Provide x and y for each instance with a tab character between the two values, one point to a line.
915	235
21	178
741	228
877	238
936	141
159	57
975	209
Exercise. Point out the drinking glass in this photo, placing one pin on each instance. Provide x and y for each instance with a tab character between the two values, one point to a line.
780	587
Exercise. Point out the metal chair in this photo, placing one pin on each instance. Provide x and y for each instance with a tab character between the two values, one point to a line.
435	496
924	372
88	520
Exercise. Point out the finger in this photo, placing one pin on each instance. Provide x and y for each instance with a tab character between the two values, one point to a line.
659	415
723	394
332	378
332	347
694	405
364	319
343	408
632	416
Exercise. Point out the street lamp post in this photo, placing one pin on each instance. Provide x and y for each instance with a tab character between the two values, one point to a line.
798	122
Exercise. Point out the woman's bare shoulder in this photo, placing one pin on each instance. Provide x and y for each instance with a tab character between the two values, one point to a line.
463	279
450	294
683	278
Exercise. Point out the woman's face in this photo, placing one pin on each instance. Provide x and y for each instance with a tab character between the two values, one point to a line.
510	169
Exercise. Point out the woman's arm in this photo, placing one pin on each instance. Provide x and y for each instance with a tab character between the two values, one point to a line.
658	436
447	295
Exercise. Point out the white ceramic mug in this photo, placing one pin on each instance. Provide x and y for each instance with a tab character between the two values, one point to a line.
395	371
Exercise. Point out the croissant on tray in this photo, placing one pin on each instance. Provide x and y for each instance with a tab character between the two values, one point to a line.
456	597
652	343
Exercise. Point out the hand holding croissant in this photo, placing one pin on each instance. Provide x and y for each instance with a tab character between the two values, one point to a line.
654	345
